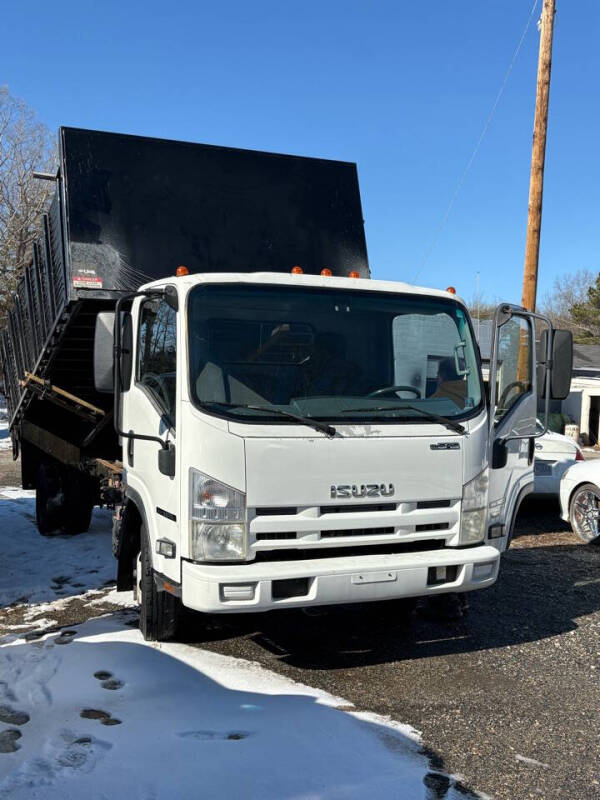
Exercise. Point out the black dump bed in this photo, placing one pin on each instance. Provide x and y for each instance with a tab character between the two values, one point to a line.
138	207
130	209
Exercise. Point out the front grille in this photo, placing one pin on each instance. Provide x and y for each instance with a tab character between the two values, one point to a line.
274	537
433	526
434	503
341	552
355	532
275	512
357	508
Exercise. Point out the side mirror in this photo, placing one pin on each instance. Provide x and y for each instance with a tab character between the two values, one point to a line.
562	364
166	460
103	352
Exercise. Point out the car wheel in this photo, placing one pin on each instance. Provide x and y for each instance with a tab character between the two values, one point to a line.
584	512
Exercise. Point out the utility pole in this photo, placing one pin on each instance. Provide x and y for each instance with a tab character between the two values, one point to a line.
536	181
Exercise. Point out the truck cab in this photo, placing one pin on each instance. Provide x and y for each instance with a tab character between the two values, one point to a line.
313	440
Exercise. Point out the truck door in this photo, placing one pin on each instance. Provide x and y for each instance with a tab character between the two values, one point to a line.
150	408
513	411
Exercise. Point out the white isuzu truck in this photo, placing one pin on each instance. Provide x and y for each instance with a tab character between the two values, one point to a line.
273	428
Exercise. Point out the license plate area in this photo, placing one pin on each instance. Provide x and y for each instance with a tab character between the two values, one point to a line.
374	577
541	468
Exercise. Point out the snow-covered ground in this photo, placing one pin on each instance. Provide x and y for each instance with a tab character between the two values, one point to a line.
5	443
93	711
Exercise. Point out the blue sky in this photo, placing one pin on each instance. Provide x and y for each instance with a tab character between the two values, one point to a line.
402	88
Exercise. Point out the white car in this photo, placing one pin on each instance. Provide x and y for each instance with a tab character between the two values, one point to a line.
554	454
580	499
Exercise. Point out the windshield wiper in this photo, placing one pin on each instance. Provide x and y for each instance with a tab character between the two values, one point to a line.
453	426
329	430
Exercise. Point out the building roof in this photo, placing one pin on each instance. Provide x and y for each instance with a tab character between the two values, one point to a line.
586	357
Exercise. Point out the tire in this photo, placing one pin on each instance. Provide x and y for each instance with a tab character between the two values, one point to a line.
48	501
78	502
160	612
584	513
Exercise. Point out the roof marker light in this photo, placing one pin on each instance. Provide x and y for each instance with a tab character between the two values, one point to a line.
326	272
451	290
297	270
354	274
181	271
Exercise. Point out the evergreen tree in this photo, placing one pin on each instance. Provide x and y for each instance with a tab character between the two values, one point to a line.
586	316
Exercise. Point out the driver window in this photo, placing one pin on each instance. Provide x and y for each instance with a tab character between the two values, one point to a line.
157	353
514	376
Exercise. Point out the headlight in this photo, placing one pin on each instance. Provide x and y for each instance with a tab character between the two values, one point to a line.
474	509
217	520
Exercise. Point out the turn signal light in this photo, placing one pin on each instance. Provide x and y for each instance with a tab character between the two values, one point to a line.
354	274
297	270
181	271
451	290
326	271
579	455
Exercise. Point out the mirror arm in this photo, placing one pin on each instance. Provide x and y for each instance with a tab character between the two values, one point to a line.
118	350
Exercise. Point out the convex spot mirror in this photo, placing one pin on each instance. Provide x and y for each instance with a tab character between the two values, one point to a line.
171	297
562	364
126	351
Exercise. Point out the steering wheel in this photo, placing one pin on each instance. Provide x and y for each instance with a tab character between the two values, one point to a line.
508	389
161	388
389	389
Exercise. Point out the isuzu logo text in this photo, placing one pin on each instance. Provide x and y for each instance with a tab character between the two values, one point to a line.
364	490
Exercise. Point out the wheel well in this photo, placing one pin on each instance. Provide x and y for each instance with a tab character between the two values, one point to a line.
573	490
128	544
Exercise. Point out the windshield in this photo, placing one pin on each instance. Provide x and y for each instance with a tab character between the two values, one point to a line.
327	354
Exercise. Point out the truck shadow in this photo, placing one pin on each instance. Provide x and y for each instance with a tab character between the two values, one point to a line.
543	588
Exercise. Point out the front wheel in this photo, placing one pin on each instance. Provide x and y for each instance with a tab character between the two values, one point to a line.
584	513
160	612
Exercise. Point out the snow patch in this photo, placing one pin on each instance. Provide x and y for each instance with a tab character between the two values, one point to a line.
5	441
532	762
42	569
181	713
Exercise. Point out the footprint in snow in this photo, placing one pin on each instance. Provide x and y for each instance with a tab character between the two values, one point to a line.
208	736
79	752
107	680
8	740
103	716
11	716
65	637
112	684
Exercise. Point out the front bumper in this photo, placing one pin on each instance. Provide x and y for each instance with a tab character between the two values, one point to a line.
335	580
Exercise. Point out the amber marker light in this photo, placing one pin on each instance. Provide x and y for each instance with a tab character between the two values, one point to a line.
181	271
297	270
354	274
451	290
326	272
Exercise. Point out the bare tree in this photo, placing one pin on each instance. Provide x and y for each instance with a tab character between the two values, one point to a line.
482	307
25	145
568	291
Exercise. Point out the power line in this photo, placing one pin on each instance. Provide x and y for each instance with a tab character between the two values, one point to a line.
484	130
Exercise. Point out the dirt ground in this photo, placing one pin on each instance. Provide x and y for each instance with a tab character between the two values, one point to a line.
507	696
